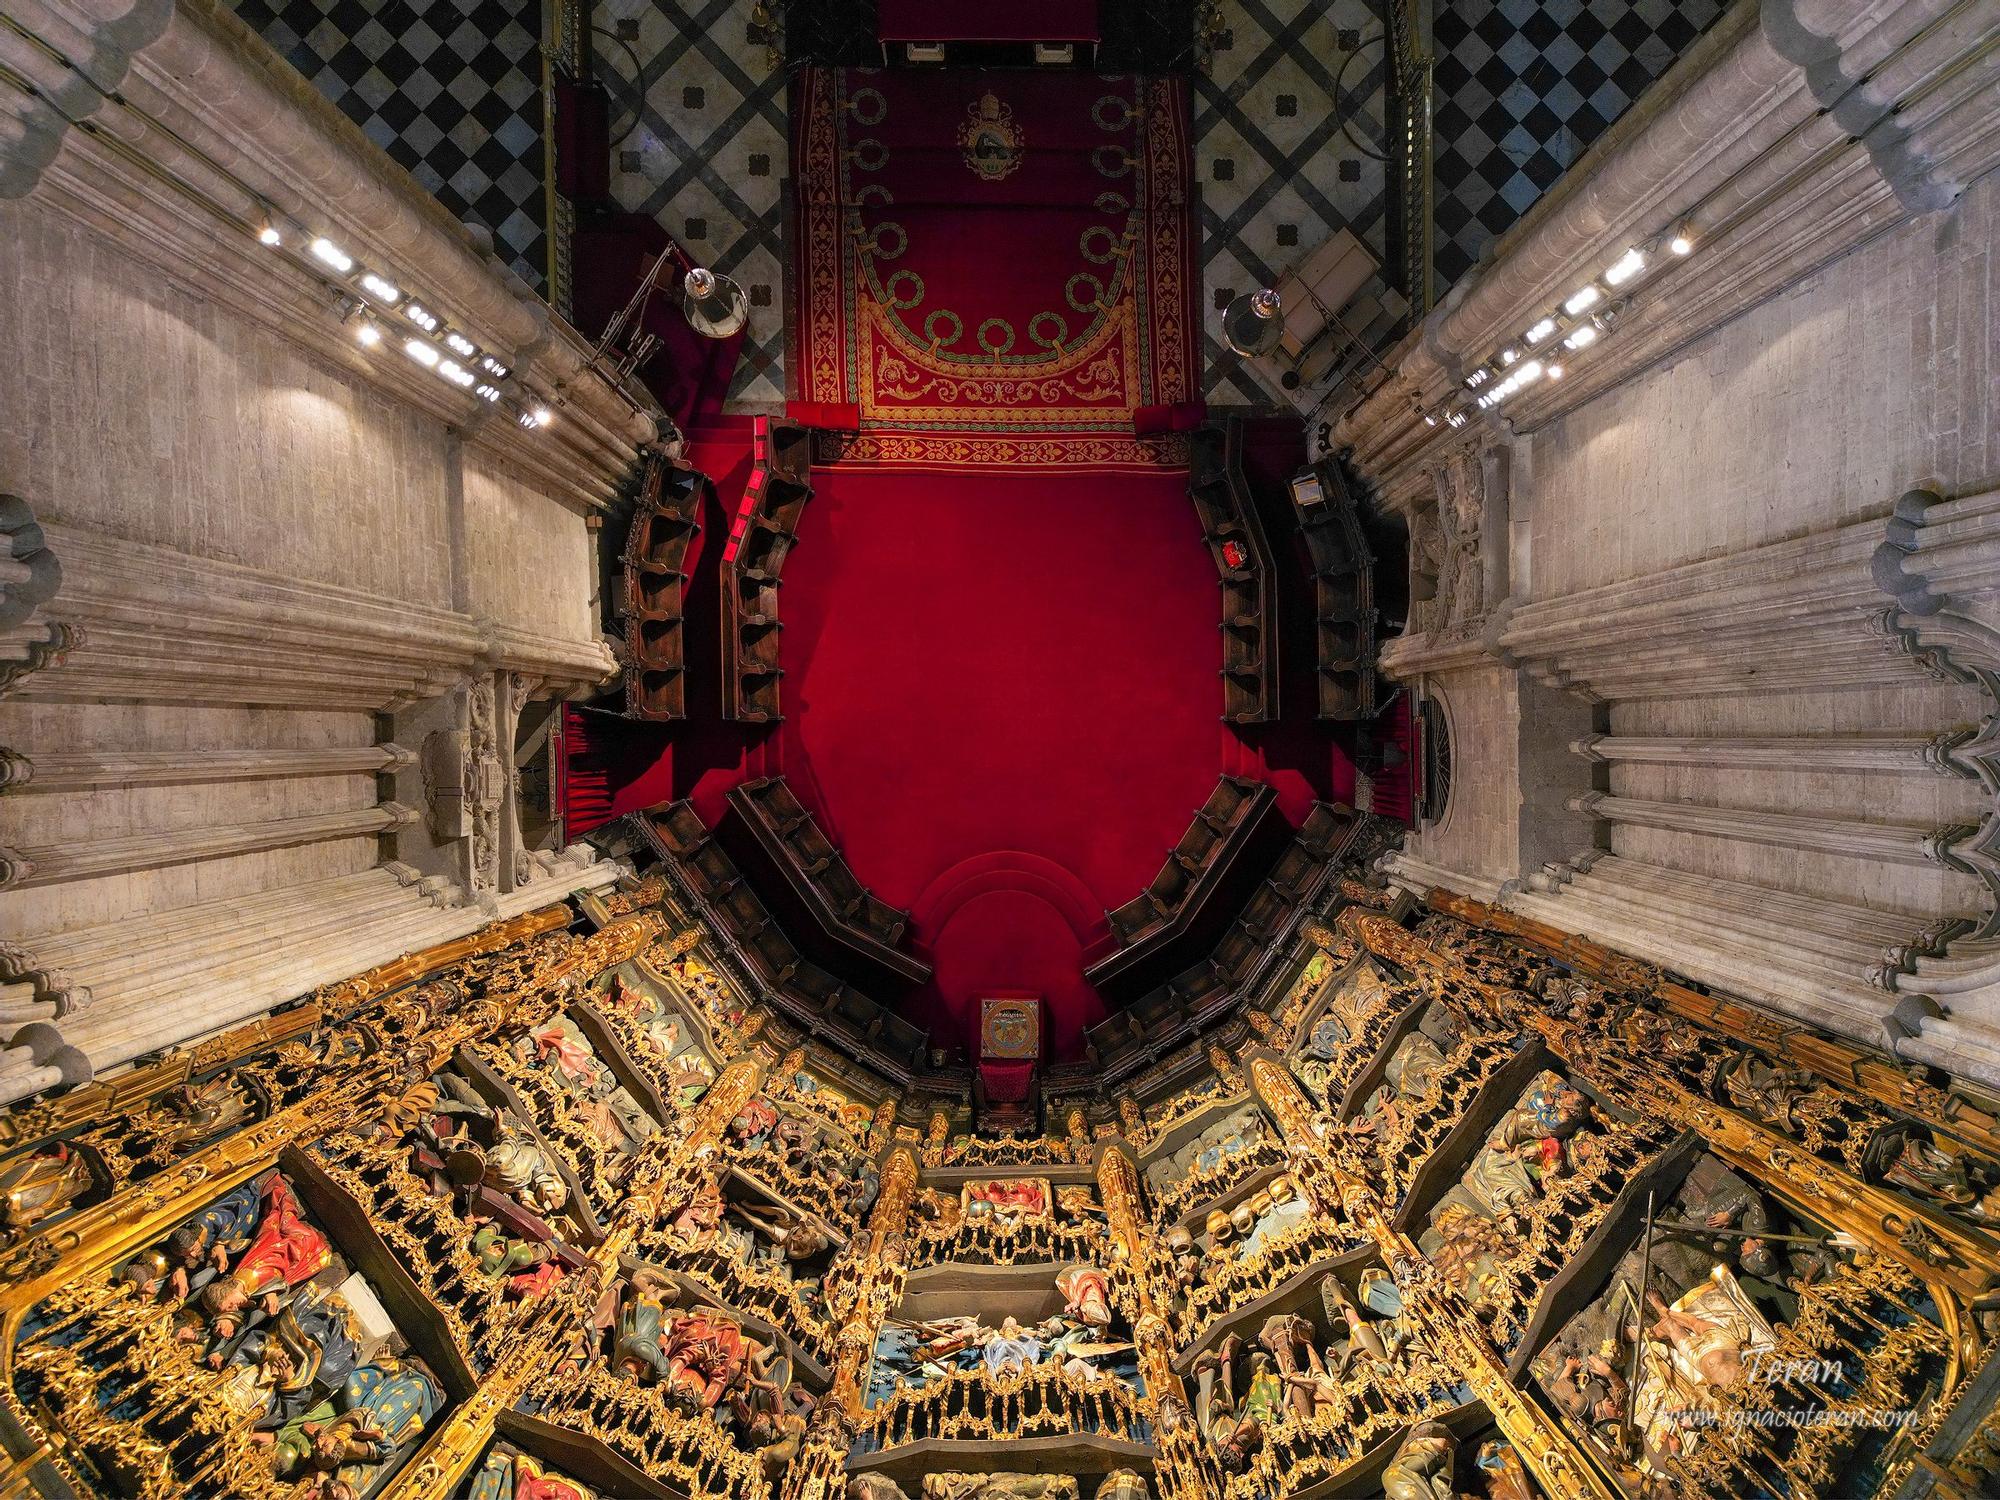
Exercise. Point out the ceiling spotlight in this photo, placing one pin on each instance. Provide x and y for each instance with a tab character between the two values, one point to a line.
383	291
1554	372
327	253
422	316
1540	331
1508	356
1430	419
421	352
368	333
1586	297
1623	269
1683	241
460	344
269	235
541	416
1582	337
493	367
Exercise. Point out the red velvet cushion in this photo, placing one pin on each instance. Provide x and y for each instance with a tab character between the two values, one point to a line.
1006	1082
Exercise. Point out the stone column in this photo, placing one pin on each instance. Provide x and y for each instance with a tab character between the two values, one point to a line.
1184	1470
1791	614
72	860
1941	561
1767	889
1910	755
86	770
1897	843
30	574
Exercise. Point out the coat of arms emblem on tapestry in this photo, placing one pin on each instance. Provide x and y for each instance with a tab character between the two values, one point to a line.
991	140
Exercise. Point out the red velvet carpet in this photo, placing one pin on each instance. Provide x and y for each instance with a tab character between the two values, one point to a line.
993	266
1001	698
1000	643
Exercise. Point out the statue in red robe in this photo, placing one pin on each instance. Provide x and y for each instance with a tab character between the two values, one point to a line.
285	1253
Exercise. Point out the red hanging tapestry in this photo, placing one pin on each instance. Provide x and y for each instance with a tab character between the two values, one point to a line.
994	267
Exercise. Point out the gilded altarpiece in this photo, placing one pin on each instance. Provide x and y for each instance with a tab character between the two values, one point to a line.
1449	1206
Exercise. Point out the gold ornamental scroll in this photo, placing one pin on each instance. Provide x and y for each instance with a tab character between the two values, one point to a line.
1841	1063
1183	1470
1076	1127
1132	1120
1337	1190
882	1124
547	971
1562	1470
1929	1243
524	984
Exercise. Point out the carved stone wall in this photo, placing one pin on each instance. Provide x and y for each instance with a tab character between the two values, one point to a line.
244	536
1776	783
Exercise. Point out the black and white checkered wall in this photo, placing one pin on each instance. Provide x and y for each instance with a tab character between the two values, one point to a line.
451	89
1522	88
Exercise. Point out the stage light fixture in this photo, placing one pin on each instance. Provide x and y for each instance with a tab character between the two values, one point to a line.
1623	269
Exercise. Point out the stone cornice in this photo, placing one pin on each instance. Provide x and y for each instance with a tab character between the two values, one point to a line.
1787	137
219	138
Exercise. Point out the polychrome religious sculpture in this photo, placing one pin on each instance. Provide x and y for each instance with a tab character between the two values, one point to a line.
380	1411
707	1354
193	1114
284	1253
1010	1347
280	1370
1086	1295
1422	1466
201	1248
1007	1198
638	1348
41	1183
516	1476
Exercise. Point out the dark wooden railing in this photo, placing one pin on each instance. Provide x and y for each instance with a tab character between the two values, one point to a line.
760	537
845	914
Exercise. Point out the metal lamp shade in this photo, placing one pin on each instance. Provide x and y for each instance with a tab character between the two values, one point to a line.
714	306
